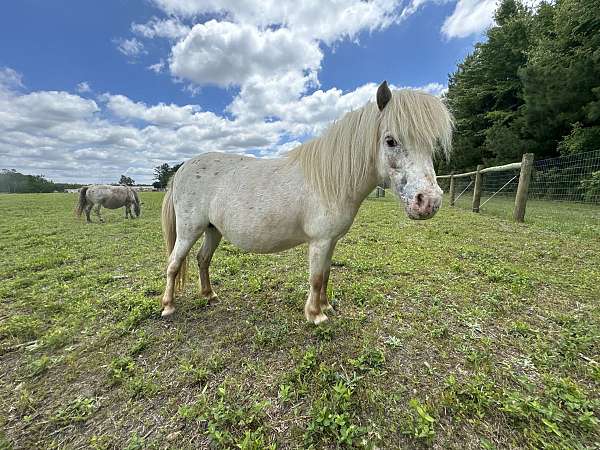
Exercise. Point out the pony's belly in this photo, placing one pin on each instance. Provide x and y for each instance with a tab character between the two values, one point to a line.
258	242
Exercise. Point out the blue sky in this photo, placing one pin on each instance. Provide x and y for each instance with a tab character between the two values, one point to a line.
92	90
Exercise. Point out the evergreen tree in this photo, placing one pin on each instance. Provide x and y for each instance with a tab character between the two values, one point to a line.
485	94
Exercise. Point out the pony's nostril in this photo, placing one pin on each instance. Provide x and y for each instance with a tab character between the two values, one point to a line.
419	199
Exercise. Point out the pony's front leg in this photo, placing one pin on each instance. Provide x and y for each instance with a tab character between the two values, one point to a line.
128	212
325	305
319	256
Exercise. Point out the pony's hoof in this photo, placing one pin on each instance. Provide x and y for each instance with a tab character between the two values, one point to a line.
320	318
210	297
329	308
167	311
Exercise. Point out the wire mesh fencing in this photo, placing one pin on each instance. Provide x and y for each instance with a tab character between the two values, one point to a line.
565	187
570	178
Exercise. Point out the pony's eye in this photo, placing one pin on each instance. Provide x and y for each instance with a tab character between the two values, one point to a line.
391	142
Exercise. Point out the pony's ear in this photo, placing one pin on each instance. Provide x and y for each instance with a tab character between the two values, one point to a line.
384	95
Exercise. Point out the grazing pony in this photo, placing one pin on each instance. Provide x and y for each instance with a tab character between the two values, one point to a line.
311	195
111	197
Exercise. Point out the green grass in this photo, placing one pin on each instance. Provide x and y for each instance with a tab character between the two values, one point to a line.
465	331
567	217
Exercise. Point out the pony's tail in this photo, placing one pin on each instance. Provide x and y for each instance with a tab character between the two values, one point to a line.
170	234
82	201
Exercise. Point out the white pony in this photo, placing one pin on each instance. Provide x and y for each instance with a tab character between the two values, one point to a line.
312	195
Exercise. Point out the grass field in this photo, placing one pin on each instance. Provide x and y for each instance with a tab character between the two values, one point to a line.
465	331
566	217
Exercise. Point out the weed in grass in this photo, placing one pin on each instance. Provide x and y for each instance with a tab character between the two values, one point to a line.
23	328
4	443
78	410
135	442
393	341
231	421
142	343
270	336
332	419
369	360
419	423
101	442
141	386
193	373
57	338
121	368
285	392
38	366
26	402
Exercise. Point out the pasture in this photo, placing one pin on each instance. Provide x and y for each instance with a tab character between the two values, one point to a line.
465	331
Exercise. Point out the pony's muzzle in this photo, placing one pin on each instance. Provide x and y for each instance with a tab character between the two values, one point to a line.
424	205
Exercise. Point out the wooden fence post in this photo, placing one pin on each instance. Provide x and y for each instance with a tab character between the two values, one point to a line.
523	188
452	189
477	190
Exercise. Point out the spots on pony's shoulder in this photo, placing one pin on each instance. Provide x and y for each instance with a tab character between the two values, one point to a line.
217	173
198	176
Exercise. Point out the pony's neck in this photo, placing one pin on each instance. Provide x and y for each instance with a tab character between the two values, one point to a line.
369	185
341	164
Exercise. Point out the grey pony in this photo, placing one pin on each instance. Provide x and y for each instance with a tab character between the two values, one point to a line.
111	197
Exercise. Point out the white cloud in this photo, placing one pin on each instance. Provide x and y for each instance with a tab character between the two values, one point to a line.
161	114
269	48
225	53
10	78
83	87
170	28
469	17
158	67
130	47
437	89
326	20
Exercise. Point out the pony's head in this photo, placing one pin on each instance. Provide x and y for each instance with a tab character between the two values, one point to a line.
136	202
414	125
137	209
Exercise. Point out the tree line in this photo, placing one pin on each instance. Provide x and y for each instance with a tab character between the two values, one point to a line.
12	181
532	86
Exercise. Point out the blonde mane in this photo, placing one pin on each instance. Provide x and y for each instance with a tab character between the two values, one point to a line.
341	161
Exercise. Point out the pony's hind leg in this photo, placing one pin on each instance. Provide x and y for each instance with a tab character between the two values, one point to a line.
318	261
212	238
87	210
97	211
176	259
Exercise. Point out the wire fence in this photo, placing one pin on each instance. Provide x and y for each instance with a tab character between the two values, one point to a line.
571	178
565	186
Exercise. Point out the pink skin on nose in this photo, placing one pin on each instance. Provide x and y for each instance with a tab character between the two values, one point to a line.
424	205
